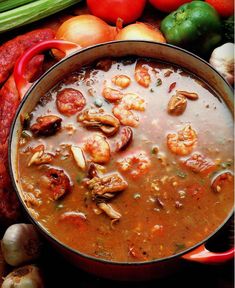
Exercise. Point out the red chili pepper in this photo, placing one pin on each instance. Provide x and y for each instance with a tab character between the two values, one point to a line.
171	87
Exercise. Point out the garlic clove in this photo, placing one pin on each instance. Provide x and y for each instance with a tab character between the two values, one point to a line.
20	244
222	59
28	276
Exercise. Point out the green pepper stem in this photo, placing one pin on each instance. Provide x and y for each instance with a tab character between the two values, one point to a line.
180	16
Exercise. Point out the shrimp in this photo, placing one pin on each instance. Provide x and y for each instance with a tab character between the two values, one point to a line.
121	81
123	113
183	142
111	94
98	148
133	101
125	116
136	165
142	76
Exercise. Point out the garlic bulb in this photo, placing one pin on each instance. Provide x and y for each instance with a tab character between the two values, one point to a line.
222	59
28	276
20	244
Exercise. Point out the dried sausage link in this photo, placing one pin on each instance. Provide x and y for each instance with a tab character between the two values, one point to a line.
13	49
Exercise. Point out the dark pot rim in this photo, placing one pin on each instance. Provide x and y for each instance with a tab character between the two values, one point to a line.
40	226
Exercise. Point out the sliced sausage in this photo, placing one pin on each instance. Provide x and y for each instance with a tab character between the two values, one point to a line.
13	49
220	181
58	183
125	139
70	101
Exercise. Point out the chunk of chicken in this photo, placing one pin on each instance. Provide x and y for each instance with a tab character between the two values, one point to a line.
93	118
109	210
106	187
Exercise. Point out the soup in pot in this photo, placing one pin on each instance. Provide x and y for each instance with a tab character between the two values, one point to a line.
128	160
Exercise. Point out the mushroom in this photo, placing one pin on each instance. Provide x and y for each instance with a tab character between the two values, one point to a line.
40	157
46	125
177	104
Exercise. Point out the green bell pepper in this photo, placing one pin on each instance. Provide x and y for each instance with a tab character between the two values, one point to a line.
195	26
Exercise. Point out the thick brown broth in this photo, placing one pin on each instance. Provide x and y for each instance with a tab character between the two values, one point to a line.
167	206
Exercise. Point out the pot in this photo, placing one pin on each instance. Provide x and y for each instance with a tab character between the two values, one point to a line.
73	61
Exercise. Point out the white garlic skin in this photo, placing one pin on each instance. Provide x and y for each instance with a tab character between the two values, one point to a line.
28	276
20	244
222	59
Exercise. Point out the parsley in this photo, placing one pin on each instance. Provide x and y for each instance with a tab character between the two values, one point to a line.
59	205
181	174
159	82
79	178
25	134
202	181
226	164
179	247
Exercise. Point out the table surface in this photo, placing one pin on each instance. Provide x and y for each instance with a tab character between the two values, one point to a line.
60	273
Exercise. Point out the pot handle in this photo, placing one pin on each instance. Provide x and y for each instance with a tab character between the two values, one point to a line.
22	84
202	255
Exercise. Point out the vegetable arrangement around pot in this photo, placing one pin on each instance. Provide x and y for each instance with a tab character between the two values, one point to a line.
201	27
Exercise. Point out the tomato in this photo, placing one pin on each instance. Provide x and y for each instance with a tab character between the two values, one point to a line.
111	10
168	5
224	7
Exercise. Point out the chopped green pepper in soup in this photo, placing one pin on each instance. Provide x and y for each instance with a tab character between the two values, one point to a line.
128	161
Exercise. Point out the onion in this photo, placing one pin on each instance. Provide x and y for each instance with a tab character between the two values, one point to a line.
85	30
140	31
